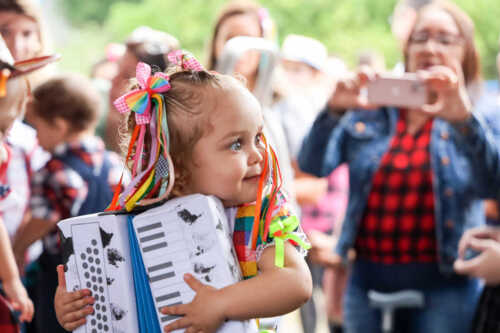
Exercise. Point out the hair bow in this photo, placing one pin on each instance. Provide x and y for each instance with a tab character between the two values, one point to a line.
185	59
139	100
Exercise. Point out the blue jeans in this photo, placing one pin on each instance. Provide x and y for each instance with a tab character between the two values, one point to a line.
450	302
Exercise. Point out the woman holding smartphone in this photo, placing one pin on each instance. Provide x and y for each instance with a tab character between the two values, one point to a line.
417	177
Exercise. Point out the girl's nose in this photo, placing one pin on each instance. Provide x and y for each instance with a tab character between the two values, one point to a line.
256	155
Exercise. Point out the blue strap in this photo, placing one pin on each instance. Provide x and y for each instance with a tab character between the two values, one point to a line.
146	311
99	191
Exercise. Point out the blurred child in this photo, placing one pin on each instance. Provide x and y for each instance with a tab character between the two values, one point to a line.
78	179
13	95
215	137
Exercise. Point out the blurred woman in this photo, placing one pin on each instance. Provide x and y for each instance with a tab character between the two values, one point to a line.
247	18
417	177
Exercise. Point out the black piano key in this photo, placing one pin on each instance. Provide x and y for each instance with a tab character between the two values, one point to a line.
160	266
176	303
170	317
152	237
149	227
154	247
168	296
161	277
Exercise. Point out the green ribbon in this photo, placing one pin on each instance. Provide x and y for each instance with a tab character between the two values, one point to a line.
282	230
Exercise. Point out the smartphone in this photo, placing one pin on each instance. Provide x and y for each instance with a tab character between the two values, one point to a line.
405	91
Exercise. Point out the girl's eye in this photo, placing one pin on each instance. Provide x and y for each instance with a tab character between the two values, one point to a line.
236	145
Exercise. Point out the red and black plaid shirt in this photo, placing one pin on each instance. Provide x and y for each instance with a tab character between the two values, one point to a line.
398	222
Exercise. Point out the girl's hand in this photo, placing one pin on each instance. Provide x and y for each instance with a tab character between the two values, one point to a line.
204	314
451	100
484	265
71	307
347	94
18	298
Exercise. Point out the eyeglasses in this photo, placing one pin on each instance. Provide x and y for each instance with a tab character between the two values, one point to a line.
443	39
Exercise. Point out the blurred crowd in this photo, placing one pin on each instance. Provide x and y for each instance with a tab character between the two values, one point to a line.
391	199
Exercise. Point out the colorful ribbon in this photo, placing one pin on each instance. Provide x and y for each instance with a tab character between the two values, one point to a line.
185	60
152	182
282	230
139	100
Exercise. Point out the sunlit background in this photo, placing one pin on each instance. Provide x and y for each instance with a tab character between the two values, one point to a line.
80	30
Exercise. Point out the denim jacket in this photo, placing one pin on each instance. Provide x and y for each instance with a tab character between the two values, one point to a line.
465	165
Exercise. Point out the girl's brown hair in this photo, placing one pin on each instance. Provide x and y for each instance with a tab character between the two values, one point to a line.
186	112
471	65
233	8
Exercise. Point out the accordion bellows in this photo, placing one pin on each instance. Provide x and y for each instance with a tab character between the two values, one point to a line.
134	265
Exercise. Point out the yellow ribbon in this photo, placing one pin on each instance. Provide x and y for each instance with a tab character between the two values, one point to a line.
140	192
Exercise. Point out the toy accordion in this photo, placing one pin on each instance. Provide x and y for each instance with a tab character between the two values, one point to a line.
134	265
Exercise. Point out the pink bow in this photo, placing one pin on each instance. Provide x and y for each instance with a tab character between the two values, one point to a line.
139	100
185	60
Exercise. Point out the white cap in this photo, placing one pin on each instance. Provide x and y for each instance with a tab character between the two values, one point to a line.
304	49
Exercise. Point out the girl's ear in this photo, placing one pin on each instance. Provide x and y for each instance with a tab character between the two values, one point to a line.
181	183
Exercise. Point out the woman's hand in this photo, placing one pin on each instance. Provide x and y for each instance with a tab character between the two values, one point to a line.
347	94
451	101
484	232
71	307
321	251
18	298
485	264
204	314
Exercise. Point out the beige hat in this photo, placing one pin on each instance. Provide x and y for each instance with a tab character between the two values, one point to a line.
10	69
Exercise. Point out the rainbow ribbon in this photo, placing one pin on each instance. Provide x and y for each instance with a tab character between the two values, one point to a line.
151	119
139	100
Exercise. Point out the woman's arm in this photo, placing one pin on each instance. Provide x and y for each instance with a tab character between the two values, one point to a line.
320	142
325	140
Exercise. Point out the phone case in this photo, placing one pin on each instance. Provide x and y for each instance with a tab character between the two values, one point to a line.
406	91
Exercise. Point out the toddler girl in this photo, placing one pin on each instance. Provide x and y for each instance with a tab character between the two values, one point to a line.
214	135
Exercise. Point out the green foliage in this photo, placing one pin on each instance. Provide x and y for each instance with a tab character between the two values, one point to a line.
345	26
83	11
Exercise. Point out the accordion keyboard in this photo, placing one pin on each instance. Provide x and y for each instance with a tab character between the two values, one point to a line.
165	259
89	255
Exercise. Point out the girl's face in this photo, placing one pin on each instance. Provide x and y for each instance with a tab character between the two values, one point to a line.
21	34
228	159
240	25
435	40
